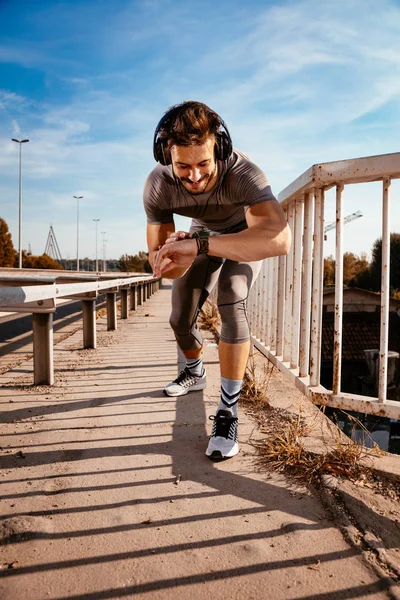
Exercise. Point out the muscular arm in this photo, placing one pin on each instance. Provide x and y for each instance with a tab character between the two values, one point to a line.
156	237
268	234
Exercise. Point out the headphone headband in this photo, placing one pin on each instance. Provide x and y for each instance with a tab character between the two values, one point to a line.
223	141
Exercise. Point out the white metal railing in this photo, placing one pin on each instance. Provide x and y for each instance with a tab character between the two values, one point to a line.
37	291
291	335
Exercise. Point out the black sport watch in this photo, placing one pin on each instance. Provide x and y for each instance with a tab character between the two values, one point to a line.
201	238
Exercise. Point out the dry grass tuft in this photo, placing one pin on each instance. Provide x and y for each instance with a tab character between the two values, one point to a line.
255	385
209	318
286	453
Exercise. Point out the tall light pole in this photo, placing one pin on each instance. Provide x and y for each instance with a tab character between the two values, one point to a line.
20	142
77	230
97	262
103	233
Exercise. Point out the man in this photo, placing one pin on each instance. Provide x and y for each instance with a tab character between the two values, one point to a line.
236	222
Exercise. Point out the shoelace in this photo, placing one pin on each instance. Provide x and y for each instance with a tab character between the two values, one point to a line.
224	425
184	377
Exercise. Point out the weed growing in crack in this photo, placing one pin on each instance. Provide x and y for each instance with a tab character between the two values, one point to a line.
285	452
209	317
255	385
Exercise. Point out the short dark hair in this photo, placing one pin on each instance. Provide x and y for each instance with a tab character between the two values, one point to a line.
190	123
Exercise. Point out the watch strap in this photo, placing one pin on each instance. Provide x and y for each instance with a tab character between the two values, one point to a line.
201	238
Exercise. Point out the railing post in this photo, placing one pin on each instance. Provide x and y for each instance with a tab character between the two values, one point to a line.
317	288
337	345
289	290
43	362
296	299
133	297
385	289
258	307
124	304
140	294
89	323
305	319
274	286
280	305
264	304
111	311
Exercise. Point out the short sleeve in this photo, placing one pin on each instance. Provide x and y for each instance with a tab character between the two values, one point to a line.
252	184
156	199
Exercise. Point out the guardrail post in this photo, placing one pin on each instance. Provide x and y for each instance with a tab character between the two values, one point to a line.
89	323
124	304
111	311
43	363
133	297
140	294
148	290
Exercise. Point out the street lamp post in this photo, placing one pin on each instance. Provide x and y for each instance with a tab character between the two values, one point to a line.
97	262
20	142
77	230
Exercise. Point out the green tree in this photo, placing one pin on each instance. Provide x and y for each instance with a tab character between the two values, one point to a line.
362	276
30	261
356	271
329	271
7	252
138	263
376	263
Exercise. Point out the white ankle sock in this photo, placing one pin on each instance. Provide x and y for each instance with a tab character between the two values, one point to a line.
195	366
230	393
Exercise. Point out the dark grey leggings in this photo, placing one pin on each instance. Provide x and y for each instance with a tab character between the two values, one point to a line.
191	291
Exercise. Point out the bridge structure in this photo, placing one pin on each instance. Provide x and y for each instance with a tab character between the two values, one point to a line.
106	492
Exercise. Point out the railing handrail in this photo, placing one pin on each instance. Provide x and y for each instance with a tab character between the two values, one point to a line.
353	170
41	287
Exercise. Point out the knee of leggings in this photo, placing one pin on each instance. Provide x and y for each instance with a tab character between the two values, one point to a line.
234	324
180	324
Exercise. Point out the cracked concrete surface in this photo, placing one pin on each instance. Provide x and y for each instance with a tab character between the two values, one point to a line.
106	491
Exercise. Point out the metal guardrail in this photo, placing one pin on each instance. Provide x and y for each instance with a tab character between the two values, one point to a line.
37	291
285	304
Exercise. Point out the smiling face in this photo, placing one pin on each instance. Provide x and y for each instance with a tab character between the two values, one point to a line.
195	166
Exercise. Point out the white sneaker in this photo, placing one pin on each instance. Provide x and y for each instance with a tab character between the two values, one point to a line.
186	382
224	437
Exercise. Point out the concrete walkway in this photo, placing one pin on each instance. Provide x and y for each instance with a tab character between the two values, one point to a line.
106	491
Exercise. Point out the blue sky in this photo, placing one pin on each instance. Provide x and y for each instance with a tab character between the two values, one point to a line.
298	82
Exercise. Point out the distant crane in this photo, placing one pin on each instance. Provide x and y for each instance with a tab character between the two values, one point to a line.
352	217
52	248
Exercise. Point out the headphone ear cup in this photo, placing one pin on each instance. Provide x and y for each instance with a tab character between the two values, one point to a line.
223	146
159	153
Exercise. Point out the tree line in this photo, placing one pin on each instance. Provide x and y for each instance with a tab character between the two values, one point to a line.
138	263
359	272
9	256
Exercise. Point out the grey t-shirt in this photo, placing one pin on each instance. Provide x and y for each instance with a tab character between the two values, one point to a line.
240	184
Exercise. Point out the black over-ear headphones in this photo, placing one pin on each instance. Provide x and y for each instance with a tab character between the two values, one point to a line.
223	143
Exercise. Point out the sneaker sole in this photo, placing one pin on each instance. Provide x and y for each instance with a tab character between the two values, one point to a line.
194	388
216	456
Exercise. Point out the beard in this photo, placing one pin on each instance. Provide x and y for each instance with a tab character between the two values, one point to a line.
201	185
196	188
